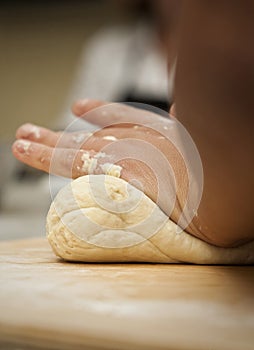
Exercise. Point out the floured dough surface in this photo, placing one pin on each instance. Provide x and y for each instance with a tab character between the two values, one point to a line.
101	218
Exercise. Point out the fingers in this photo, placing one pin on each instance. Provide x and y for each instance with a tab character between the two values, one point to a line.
37	134
39	156
80	140
50	138
81	107
65	162
107	114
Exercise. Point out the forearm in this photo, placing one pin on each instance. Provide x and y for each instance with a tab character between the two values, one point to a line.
215	102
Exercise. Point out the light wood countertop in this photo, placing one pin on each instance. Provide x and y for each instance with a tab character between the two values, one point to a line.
46	303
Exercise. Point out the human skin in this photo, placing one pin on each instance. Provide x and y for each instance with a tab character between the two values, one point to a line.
145	147
214	101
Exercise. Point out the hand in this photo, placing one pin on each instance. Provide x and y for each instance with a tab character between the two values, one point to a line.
139	146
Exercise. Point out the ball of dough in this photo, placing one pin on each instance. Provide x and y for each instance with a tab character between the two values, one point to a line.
101	218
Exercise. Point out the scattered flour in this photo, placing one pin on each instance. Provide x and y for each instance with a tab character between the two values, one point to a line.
110	138
111	169
35	131
100	155
24	145
89	163
79	138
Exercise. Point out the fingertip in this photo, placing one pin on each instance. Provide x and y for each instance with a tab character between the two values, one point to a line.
28	130
79	107
13	148
21	148
19	131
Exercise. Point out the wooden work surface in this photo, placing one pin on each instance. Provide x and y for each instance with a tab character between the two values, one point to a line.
49	304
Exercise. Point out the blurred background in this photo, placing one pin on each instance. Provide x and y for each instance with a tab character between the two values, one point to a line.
53	52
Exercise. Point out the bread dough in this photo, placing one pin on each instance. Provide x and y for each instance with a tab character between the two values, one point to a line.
101	218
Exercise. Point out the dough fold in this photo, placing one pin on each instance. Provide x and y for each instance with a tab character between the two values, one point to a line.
101	218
